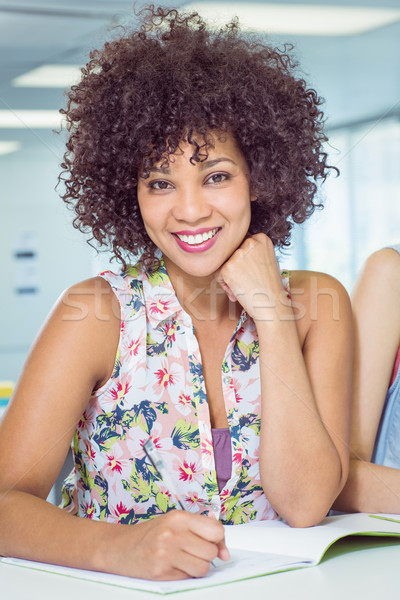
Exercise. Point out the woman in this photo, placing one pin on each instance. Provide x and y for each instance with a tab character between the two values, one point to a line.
374	482
198	150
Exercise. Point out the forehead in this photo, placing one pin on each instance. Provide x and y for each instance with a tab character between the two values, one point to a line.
201	151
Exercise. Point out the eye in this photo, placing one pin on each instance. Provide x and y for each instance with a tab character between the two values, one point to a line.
218	178
159	184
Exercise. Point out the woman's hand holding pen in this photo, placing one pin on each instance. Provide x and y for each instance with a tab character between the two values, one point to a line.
177	545
251	276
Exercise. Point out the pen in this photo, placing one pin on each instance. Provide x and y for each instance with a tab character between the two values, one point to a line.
159	465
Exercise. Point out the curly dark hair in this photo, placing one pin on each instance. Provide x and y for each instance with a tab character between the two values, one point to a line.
170	78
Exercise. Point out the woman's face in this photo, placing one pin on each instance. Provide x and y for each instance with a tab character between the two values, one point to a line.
198	214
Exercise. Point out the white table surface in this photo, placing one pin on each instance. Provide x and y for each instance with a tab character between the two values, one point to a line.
353	568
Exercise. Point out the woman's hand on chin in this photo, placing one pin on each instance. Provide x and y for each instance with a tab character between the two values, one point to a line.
251	276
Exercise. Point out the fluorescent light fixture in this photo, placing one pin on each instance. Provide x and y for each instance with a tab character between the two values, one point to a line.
50	76
30	119
8	147
296	19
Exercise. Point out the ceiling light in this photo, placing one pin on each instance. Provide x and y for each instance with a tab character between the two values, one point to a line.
51	76
296	19
8	147
30	119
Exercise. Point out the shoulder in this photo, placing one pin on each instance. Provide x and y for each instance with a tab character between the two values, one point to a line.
109	290
87	320
314	285
87	311
382	267
91	297
77	344
321	305
376	293
93	285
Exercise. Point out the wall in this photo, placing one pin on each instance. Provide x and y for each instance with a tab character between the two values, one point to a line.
29	203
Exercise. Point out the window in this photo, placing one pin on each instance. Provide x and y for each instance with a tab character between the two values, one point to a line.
362	205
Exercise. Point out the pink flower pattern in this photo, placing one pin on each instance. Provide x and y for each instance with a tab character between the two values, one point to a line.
164	378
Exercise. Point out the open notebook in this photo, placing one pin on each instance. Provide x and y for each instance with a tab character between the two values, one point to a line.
257	548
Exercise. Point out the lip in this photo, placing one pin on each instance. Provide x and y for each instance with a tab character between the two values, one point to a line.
206	245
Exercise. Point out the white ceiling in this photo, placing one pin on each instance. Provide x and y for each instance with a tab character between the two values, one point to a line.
358	75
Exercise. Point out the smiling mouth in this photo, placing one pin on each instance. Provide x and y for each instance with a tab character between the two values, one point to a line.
198	238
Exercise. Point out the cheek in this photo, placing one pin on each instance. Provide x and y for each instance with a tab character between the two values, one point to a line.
148	212
244	206
237	201
143	214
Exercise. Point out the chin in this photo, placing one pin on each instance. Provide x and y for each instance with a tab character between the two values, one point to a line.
194	268
201	271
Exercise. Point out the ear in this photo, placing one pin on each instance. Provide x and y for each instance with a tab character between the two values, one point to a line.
253	197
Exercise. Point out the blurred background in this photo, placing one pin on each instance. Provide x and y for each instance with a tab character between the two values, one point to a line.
349	51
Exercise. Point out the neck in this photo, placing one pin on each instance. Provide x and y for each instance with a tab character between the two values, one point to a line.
202	297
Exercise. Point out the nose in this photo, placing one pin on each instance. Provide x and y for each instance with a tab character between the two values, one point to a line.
191	205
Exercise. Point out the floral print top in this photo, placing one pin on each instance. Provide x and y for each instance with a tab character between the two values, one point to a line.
157	390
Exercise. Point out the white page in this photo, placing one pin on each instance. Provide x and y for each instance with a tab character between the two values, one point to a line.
309	542
256	548
242	565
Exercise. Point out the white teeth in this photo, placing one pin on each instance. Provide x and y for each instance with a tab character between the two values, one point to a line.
199	238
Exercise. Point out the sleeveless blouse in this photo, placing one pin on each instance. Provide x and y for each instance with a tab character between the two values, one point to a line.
157	391
387	443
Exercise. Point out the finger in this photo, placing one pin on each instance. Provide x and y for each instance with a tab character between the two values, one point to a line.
191	565
200	548
207	528
223	552
228	291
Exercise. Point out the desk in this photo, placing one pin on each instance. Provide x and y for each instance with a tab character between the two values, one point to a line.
353	568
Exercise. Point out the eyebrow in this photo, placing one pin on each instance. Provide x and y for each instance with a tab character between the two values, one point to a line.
207	164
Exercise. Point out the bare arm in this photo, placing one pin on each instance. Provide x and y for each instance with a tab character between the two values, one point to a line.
74	354
309	457
65	364
376	307
305	368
